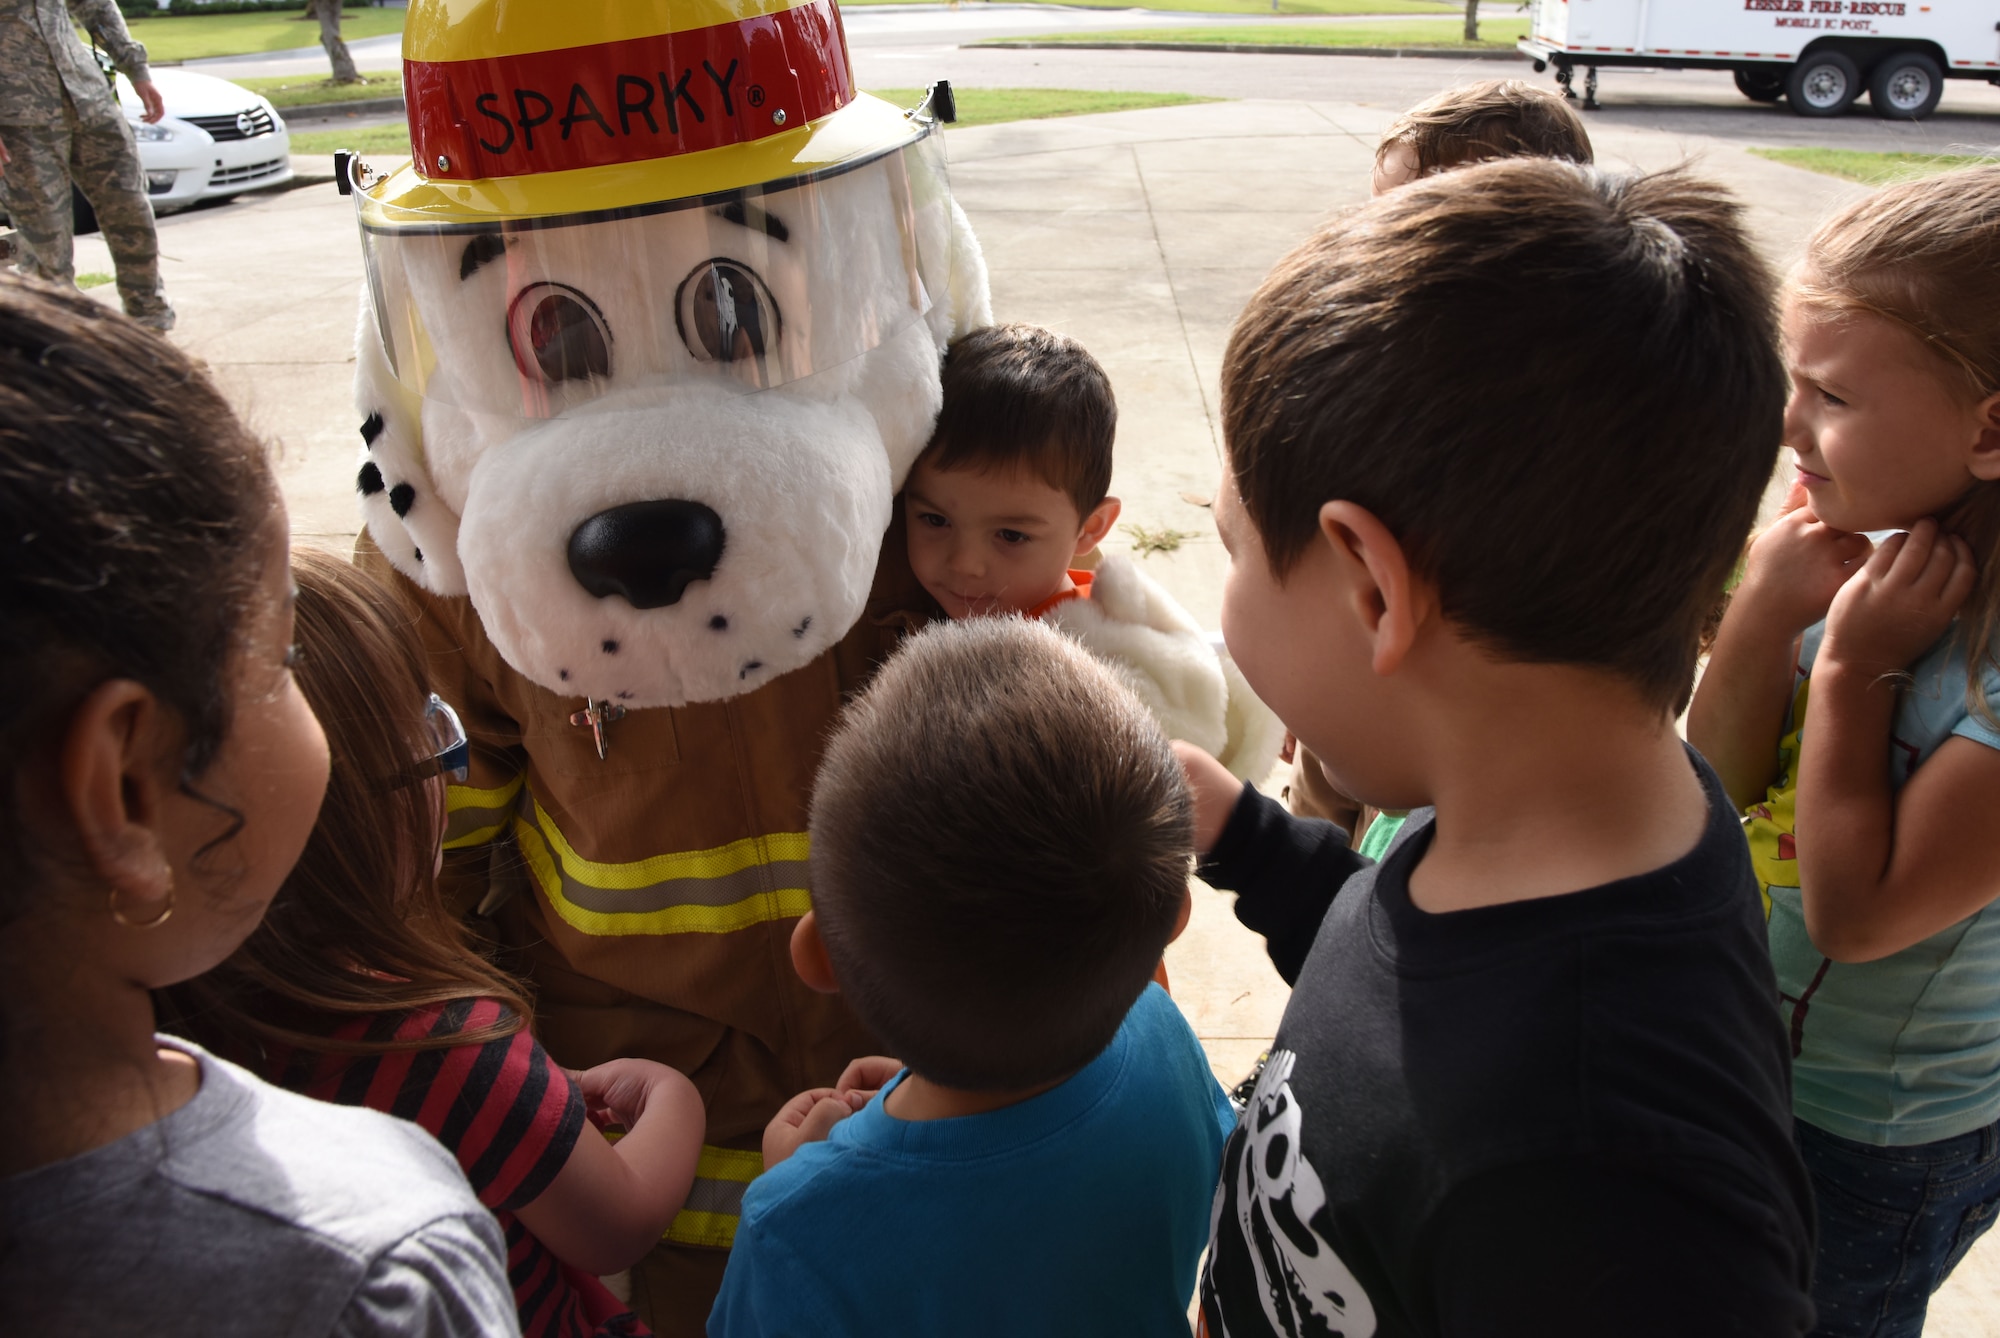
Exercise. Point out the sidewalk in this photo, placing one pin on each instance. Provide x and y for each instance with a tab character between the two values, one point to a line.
1140	233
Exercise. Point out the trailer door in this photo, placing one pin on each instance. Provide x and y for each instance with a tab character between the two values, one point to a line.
1604	25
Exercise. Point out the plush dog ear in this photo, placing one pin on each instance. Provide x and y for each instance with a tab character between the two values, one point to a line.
400	505
970	304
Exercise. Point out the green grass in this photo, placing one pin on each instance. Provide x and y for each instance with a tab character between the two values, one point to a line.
988	106
1148	540
198	36
291	90
1870	169
92	279
1494	35
976	106
1242	6
371	139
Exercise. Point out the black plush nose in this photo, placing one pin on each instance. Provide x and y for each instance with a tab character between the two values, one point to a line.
646	551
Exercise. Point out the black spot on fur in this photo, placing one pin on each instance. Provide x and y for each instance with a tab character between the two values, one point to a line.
419	552
625	696
370	480
401	498
719	623
804	626
486	246
611	648
749	669
563	674
371	428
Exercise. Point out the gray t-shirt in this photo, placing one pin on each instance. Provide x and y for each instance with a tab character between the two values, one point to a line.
253	1211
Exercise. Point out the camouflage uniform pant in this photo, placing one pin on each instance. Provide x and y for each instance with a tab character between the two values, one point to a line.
103	160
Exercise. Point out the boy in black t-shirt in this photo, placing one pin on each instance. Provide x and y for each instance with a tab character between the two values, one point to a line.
1494	441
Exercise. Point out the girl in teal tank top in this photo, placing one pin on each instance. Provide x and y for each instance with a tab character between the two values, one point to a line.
1850	707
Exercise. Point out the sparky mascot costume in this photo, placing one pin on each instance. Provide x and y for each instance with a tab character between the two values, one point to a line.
651	336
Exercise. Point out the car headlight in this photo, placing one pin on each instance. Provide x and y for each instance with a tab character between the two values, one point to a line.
152	134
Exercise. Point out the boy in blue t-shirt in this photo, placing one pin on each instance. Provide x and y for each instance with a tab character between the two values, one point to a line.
1000	846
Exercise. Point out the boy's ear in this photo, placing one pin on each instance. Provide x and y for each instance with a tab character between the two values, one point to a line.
1985	463
111	786
1391	601
809	957
1098	524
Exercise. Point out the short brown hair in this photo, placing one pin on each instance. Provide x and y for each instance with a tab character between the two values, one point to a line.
1559	388
359	928
1495	118
1001	841
1022	397
1925	255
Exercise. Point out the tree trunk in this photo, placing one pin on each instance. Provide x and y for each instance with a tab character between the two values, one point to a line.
1471	20
329	37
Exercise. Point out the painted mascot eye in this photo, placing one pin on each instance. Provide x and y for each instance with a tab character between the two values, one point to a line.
726	314
558	334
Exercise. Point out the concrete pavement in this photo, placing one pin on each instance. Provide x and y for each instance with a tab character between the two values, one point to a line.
1141	233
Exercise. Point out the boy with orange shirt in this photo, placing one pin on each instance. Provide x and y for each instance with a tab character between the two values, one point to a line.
1014	489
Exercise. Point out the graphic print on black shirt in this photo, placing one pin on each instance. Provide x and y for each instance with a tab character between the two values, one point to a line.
1279	1251
1564	1117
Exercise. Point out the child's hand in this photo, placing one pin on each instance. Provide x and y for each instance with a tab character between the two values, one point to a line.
808	1118
867	1075
1796	567
1215	793
616	1093
1901	602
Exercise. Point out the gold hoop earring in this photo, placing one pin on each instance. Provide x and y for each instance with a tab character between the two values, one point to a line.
165	914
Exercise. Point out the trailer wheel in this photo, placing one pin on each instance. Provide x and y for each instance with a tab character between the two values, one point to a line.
1824	83
1905	86
1761	85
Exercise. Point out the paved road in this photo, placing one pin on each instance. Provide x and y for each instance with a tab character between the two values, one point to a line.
867	26
903	46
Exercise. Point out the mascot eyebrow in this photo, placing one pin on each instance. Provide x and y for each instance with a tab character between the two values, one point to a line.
755	219
482	248
489	246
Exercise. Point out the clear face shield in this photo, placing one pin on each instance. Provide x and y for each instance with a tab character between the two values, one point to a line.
742	290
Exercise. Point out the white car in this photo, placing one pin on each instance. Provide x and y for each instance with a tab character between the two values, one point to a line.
216	140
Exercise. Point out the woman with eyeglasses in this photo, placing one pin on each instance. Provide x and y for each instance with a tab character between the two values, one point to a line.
362	987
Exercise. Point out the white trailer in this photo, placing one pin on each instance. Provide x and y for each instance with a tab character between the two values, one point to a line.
1819	55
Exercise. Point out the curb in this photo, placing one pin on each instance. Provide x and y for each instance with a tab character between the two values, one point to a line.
358	107
1254	49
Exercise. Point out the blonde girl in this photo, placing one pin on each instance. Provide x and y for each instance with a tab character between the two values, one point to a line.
1850	706
159	772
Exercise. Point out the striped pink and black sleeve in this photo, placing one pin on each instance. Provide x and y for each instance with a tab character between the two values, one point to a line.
506	1110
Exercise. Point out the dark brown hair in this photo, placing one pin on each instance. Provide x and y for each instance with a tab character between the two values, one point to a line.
1022	397
359	928
1559	388
1000	845
1925	255
1495	118
132	509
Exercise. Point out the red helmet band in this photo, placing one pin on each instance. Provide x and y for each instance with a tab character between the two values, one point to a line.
627	101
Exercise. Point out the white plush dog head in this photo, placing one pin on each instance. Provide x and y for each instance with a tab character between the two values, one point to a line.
658	448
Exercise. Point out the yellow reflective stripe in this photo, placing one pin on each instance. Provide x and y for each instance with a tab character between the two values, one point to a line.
717	863
729	1164
693	1228
476	816
718	891
716	1201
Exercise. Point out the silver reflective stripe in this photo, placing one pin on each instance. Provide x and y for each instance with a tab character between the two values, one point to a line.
724	891
716	1196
